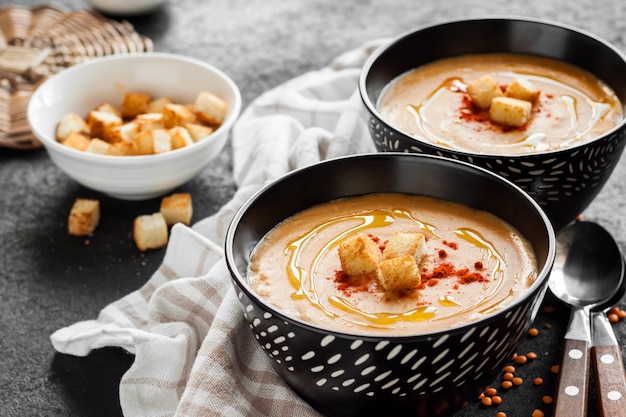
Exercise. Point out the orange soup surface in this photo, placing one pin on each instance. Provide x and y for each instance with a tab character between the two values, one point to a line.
475	264
431	103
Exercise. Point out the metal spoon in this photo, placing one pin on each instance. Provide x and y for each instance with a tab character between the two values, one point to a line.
586	275
606	353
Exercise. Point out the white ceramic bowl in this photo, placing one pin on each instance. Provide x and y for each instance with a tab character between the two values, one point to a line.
82	87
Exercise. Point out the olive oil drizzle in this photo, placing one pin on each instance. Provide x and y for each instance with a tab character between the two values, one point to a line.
303	278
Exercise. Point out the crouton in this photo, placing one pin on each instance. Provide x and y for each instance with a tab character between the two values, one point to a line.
123	133
108	108
483	90
398	274
177	115
156	106
78	141
177	208
84	217
98	146
101	123
359	255
198	131
210	108
180	137
510	111
71	123
122	148
402	244
150	231
522	89
135	104
148	121
152	141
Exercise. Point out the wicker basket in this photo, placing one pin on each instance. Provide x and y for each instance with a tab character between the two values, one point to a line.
36	43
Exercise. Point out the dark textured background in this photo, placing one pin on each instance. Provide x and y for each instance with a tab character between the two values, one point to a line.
49	280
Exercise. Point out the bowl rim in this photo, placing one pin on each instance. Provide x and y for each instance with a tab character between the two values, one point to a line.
538	286
372	108
53	144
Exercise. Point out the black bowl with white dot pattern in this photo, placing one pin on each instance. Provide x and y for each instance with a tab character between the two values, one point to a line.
563	182
345	374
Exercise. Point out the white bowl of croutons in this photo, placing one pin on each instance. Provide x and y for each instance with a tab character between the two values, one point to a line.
135	126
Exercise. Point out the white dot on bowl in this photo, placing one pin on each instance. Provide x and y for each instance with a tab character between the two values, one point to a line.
368	370
441	356
394	352
362	387
272	328
267	315
381	345
572	391
310	354
441	340
321	382
337	373
334	359
362	359
317	369
382	376
348	382
327	340
408	356
355	345
418	363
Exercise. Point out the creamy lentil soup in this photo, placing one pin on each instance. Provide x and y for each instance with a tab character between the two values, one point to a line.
431	103
475	264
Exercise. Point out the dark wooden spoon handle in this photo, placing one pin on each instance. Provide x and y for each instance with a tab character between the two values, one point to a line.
571	396
609	369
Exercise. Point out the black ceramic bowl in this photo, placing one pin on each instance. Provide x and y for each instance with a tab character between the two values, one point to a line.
343	374
563	182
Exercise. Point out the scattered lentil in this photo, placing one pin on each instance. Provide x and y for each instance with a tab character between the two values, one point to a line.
613	318
500	414
496	399
521	359
509	368
555	369
538	413
508	376
533	331
517	381
490	391
531	355
546	399
506	384
538	381
486	401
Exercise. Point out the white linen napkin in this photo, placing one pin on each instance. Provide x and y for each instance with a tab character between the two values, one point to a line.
194	354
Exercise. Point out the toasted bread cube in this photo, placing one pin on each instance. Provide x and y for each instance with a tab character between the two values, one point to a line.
359	255
108	108
210	108
71	123
156	106
177	115
177	208
78	141
398	274
152	141
483	90
123	133
150	231
510	111
98	146
402	244
135	104
162	142
122	148
180	137
102	123
148	121
84	217
198	131
522	89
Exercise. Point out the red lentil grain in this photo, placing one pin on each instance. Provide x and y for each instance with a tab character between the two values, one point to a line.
491	391
538	413
621	314
509	368
614	310
517	381
521	359
508	376
496	399
531	355
555	369
538	381
613	318
547	399
486	401
500	414
533	331
506	384
481	396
